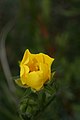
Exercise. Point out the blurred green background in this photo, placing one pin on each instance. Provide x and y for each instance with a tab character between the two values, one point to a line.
49	26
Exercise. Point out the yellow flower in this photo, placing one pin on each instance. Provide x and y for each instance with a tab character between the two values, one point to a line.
35	69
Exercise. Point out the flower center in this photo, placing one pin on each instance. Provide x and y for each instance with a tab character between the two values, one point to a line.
33	67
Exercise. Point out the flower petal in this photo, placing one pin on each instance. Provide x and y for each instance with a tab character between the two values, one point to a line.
48	60
23	73
24	69
25	59
39	57
21	70
35	80
45	69
18	82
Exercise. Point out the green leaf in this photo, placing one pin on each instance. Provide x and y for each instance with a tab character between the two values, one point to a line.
23	107
56	66
53	66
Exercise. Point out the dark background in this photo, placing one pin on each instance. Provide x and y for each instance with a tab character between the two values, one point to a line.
48	26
